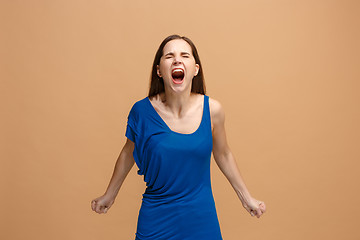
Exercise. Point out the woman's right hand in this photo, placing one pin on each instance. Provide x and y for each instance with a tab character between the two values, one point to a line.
102	204
123	166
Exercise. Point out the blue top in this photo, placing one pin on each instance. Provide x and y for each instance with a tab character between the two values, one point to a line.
178	203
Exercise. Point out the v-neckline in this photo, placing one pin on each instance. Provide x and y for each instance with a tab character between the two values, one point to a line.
167	126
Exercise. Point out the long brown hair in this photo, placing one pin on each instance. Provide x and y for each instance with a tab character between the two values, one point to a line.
157	83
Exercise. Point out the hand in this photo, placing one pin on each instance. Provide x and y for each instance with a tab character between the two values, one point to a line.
102	204
255	207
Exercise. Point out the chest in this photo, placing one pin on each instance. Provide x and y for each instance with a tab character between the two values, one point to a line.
186	124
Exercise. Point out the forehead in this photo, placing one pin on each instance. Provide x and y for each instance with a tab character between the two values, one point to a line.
177	45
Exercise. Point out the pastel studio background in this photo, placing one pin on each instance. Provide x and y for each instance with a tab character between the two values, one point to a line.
286	72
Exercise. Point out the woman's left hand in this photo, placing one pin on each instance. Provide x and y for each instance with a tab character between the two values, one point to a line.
255	207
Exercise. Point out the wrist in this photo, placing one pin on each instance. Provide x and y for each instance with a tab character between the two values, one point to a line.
244	196
111	194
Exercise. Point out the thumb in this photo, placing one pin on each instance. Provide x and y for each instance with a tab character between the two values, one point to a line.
258	212
107	207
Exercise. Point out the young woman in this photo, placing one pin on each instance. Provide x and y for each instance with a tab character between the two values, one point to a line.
170	136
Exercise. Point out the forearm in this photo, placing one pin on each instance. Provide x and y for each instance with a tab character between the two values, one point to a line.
123	166
229	168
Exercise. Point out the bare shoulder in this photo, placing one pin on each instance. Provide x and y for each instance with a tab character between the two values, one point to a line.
216	112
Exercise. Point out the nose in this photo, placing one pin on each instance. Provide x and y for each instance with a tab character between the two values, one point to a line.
176	61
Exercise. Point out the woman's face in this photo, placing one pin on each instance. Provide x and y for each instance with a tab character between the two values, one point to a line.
177	66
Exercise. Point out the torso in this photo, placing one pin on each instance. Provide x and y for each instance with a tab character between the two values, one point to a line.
189	122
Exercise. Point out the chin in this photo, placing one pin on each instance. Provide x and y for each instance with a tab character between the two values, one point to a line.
178	88
185	86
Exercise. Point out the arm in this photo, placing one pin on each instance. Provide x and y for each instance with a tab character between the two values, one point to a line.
226	161
123	166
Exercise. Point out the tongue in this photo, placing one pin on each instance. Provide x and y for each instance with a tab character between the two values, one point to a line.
178	76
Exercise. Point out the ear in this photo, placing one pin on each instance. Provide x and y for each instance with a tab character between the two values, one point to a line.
197	68
158	70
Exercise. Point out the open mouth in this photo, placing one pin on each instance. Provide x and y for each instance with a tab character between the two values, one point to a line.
177	75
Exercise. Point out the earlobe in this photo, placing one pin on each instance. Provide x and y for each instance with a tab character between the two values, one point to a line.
197	69
158	71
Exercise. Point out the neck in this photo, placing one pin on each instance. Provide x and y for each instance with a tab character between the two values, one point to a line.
177	103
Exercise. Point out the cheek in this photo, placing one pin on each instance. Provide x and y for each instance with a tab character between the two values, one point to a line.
163	66
192	68
163	70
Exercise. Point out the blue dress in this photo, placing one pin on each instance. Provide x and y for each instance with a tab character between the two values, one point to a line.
178	203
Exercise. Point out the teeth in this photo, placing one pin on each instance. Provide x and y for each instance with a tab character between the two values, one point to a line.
178	70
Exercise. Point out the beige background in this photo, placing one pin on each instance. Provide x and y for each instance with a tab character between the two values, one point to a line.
286	72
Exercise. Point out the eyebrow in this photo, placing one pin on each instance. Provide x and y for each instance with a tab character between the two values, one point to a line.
182	53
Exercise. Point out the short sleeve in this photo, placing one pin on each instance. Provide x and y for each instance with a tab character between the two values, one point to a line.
135	134
131	132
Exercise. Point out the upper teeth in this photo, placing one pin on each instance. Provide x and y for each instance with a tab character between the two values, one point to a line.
177	70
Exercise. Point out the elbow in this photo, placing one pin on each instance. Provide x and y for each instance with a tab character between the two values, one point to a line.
222	157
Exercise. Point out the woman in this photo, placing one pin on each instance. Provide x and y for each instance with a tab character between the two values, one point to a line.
171	134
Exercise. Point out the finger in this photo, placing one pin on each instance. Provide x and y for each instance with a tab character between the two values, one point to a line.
258	212
106	209
262	207
98	208
102	209
93	205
